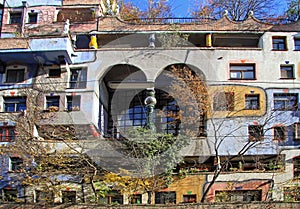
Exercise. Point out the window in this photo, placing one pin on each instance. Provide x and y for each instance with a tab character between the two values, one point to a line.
242	71
285	101
78	78
73	103
297	44
238	196
136	199
189	198
252	102
14	104
15	163
54	72
296	164
279	133
7	133
112	197
15	75
291	194
297	131
68	196
255	132
286	71
32	17
165	197
279	43
223	101
15	17
44	196
52	102
10	195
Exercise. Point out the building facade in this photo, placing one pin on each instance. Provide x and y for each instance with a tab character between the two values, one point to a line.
74	75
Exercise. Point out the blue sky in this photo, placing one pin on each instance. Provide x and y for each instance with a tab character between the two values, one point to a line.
180	8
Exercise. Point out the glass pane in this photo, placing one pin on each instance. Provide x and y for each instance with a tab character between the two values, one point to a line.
248	75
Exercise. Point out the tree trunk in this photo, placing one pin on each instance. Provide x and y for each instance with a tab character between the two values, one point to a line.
149	197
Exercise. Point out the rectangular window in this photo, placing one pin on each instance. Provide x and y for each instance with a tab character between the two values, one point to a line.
7	133
73	103
136	199
291	194
189	198
54	73
68	196
286	71
279	133
285	101
52	103
10	195
165	197
44	196
297	131
296	164
223	101
15	75
15	17
238	196
78	78
32	17
242	71
297	44
255	132
14	104
279	43
15	164
252	102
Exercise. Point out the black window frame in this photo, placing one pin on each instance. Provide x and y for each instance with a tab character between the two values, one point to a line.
15	17
255	133
15	163
296	167
279	133
289	69
279	43
240	70
52	101
18	103
54	73
69	196
286	101
252	102
15	75
297	44
165	197
32	17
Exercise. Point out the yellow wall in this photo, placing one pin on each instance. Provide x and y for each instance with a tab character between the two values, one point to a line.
239	101
189	185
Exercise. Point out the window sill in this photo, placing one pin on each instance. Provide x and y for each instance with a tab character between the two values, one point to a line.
287	78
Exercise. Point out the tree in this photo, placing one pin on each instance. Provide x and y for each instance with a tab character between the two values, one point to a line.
238	10
154	11
293	11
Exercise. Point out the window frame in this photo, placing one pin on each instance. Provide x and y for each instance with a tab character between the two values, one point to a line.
279	43
78	78
241	69
255	133
15	17
279	133
290	72
296	167
227	103
284	99
15	163
54	73
50	100
19	103
73	103
20	74
33	15
9	133
297	43
257	100
296	131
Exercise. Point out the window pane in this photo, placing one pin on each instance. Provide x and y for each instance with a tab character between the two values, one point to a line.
242	71
297	44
